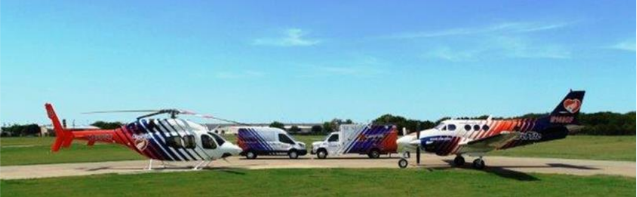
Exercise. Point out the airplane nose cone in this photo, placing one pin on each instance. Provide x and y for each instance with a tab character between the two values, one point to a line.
405	140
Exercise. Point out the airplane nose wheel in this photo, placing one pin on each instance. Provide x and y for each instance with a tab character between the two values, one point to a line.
402	163
478	164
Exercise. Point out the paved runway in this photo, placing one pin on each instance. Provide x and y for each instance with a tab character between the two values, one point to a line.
515	166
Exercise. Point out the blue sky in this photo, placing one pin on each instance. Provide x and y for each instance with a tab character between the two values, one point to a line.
293	61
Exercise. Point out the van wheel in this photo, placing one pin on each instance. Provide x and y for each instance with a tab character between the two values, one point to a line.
374	154
251	155
321	154
293	154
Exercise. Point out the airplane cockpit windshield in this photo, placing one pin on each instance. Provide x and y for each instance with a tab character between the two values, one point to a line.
441	127
218	138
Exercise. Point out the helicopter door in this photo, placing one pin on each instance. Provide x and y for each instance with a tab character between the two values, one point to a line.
209	146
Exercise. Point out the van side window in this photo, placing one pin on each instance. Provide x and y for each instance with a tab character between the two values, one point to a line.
207	142
285	139
333	138
174	141
189	141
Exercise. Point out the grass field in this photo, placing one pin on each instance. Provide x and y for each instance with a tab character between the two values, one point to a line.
322	182
579	147
36	150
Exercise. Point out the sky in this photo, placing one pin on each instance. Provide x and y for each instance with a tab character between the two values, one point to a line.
311	61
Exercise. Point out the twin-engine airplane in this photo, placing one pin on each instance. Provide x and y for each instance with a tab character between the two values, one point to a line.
477	137
170	139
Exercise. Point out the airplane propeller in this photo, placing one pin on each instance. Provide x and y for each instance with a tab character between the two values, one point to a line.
418	147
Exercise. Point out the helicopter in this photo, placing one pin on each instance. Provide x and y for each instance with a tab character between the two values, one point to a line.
164	139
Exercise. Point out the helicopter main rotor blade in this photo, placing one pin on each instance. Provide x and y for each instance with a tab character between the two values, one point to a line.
122	111
210	117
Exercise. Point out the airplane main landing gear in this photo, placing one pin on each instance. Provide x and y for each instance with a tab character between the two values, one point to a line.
459	160
478	163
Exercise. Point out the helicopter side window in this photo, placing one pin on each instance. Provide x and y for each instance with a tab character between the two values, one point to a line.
174	141
189	141
207	142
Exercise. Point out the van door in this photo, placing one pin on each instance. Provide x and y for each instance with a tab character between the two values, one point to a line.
285	142
333	144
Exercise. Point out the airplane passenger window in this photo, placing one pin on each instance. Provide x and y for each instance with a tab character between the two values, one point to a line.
467	127
333	138
174	141
207	142
285	139
485	128
476	127
452	127
218	138
189	141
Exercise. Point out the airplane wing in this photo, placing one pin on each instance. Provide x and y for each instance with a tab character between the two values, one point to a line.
489	143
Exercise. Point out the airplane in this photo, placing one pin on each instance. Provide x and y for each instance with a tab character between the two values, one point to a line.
477	137
167	139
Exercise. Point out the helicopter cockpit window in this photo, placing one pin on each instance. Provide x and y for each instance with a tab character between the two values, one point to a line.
189	141
218	138
207	142
174	141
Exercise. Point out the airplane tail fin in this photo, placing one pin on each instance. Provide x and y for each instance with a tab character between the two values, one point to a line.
63	137
568	109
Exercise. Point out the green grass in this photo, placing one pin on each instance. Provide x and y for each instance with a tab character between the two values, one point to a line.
36	150
579	147
321	182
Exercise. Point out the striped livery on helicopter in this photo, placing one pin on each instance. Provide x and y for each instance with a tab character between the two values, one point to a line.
171	139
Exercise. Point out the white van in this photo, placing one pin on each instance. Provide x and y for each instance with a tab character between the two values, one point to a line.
372	140
268	141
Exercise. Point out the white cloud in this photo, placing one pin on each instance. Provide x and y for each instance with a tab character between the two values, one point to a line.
239	75
446	53
292	37
628	45
498	48
501	28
